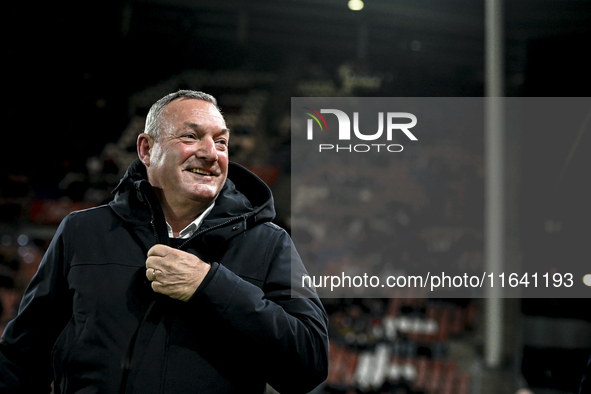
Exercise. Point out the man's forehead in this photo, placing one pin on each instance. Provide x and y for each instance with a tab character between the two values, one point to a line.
199	126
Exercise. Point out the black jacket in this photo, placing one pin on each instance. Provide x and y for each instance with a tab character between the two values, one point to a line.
90	321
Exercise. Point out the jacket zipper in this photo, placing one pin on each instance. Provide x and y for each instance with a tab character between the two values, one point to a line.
128	356
152	219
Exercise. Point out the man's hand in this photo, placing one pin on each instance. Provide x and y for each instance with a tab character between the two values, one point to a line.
174	273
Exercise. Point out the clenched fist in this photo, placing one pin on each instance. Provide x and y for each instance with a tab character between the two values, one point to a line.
173	272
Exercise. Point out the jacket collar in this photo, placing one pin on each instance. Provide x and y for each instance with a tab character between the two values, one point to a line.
243	199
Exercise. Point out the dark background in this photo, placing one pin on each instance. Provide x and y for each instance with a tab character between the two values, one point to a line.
70	68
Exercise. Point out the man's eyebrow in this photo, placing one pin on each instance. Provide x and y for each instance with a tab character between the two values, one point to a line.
197	126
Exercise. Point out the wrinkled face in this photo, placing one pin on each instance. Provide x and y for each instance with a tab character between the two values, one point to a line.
188	163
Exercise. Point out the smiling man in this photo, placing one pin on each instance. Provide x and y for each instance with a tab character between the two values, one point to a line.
180	285
187	161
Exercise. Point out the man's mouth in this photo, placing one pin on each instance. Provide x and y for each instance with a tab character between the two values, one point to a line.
199	171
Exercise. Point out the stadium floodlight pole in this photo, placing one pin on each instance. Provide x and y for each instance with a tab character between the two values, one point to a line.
494	149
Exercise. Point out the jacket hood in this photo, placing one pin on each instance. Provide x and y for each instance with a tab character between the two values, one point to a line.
244	197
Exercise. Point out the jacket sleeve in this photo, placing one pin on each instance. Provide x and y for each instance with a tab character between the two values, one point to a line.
285	322
25	348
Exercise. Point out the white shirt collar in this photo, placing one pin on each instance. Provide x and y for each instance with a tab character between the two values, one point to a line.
188	231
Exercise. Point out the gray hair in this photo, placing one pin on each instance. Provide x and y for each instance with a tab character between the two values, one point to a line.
153	118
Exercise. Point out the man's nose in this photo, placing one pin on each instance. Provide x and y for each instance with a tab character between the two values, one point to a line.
206	150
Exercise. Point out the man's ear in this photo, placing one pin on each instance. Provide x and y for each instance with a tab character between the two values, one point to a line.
144	148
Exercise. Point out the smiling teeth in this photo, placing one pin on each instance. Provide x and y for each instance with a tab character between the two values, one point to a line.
200	171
